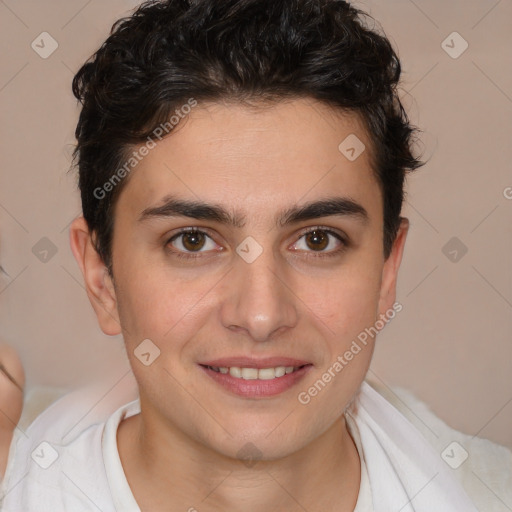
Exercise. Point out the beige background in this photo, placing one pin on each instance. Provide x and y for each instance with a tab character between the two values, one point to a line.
451	344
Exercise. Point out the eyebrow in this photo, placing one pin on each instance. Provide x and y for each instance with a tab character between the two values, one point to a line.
333	206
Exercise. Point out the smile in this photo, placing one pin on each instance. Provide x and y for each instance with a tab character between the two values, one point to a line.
265	381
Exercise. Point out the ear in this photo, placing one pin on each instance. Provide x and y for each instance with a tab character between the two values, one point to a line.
98	283
390	269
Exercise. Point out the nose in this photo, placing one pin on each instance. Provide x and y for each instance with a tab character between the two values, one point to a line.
258	300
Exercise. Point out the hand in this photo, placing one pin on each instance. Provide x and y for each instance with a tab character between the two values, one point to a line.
12	382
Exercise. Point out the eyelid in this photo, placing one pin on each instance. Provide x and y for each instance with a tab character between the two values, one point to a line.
332	231
190	229
339	235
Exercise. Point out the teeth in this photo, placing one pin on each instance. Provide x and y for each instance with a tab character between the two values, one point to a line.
255	373
235	372
249	373
280	371
267	373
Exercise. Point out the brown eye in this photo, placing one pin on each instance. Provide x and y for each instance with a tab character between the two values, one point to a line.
317	240
193	241
325	242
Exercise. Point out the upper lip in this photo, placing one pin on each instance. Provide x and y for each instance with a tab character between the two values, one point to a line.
252	362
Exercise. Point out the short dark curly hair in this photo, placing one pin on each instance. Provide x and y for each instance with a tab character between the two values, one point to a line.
249	51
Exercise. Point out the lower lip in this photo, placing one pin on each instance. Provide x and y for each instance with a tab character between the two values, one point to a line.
257	388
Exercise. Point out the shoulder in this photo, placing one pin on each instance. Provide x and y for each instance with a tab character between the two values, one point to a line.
47	474
483	468
57	463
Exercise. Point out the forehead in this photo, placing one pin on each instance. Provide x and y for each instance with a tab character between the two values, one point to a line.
263	158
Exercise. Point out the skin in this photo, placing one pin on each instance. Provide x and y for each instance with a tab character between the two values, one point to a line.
12	382
293	300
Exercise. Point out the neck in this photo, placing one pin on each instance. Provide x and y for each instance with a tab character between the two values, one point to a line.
168	470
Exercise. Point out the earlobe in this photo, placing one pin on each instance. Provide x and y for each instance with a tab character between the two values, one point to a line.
391	267
98	282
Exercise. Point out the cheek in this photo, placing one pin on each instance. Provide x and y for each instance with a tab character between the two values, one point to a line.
347	300
154	304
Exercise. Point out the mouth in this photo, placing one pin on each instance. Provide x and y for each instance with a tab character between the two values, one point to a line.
251	378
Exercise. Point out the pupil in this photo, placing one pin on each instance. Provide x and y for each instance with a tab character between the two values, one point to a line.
317	240
193	241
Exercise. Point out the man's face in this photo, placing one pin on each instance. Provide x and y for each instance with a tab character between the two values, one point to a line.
266	284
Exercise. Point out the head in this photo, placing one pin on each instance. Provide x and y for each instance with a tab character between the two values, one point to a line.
272	132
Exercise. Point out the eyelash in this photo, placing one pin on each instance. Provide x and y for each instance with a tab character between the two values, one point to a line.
311	254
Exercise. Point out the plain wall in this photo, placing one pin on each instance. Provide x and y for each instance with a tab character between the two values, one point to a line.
451	343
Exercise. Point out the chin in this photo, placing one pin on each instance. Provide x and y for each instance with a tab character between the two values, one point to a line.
262	442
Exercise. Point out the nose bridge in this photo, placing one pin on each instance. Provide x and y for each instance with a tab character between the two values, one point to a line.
259	300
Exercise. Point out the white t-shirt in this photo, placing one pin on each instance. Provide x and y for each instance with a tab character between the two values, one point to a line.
85	473
122	496
364	499
68	461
